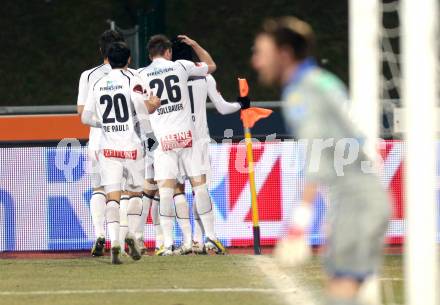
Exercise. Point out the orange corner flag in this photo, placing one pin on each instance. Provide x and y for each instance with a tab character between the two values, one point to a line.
244	88
252	115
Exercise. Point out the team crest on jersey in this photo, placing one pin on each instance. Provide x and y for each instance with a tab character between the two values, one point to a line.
138	89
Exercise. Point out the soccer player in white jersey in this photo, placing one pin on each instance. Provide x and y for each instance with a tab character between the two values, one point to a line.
200	87
98	199
115	104
172	125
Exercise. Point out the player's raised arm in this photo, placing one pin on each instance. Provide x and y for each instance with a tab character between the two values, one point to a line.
203	55
217	99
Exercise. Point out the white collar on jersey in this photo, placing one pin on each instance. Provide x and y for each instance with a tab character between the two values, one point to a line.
117	71
159	59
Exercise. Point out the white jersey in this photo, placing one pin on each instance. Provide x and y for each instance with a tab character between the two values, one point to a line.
87	79
171	122
116	102
199	89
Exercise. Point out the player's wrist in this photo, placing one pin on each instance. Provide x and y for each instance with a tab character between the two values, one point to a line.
244	102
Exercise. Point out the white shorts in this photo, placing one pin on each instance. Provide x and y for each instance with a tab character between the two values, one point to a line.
201	155
173	163
122	174
94	168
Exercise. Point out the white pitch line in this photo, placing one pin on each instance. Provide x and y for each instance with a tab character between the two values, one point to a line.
296	293
147	290
392	279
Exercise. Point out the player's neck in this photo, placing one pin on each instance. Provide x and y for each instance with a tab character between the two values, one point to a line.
158	57
106	62
287	73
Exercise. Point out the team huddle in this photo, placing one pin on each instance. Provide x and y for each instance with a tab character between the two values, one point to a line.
148	135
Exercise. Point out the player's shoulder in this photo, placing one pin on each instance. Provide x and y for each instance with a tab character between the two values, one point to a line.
133	72
324	80
100	82
95	73
184	64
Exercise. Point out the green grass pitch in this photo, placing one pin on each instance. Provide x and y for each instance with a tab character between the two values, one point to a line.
231	279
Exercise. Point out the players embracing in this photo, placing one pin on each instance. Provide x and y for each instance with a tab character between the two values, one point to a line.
164	108
177	151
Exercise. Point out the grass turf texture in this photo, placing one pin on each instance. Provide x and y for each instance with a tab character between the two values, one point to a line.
146	278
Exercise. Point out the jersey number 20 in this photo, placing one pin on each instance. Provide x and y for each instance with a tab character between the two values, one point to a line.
121	108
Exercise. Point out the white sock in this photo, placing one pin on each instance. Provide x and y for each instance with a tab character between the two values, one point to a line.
123	220
182	216
204	208
134	213
146	204
167	215
156	222
97	210
112	216
198	226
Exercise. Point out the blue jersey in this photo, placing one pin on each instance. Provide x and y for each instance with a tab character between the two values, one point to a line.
315	109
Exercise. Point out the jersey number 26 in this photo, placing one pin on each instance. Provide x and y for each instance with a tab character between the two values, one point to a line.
170	84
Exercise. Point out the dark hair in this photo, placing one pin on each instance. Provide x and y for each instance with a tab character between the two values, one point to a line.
293	33
183	51
107	38
158	44
118	54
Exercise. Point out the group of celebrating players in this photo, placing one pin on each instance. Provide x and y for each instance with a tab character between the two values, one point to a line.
149	134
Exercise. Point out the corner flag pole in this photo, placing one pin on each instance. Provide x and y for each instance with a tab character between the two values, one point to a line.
249	117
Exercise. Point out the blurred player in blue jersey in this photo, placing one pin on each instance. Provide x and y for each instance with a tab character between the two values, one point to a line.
314	110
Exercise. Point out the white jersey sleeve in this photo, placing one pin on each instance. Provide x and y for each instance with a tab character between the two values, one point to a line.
83	89
194	69
88	115
217	99
142	116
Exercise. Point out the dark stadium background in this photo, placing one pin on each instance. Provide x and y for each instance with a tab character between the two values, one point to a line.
46	44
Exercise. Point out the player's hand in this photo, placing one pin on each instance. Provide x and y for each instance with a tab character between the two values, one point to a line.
294	250
244	102
187	40
152	103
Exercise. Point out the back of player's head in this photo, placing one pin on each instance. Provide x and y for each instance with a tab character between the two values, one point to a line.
107	38
183	51
158	45
118	54
293	33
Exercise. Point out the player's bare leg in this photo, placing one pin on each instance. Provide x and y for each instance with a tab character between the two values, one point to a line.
112	216
134	213
204	209
167	214
182	216
97	210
